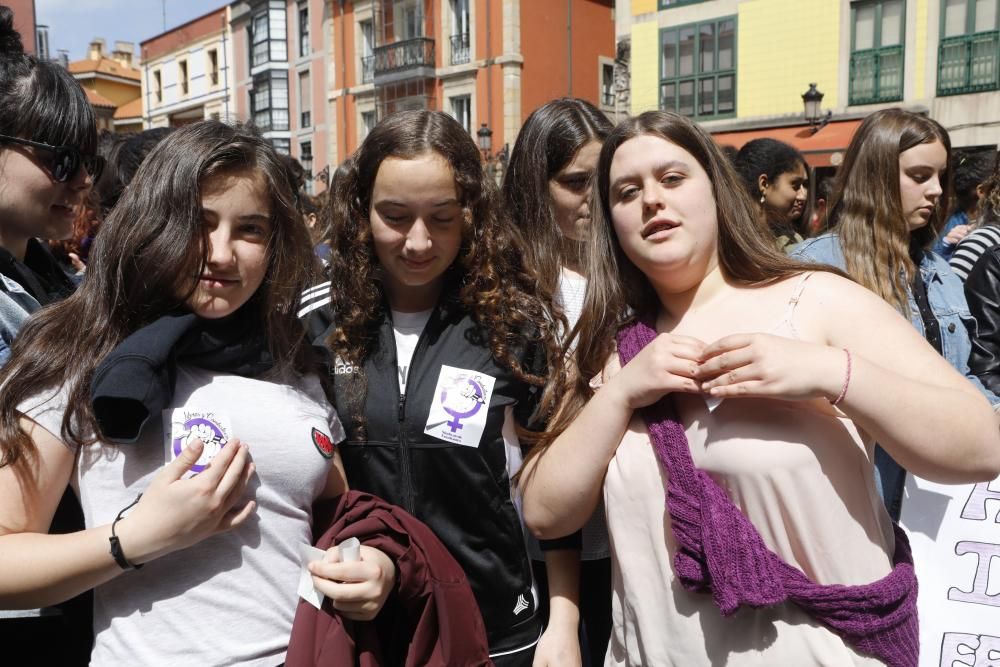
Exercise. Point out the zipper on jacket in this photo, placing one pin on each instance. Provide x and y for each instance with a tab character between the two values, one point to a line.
404	450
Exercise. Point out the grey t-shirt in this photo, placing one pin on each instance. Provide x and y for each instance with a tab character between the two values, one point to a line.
230	599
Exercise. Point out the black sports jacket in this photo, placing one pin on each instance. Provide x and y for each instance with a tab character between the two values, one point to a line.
462	492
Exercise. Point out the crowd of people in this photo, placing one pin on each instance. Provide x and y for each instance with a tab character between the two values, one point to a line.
649	401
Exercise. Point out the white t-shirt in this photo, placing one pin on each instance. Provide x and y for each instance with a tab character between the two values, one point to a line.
407	328
230	599
572	288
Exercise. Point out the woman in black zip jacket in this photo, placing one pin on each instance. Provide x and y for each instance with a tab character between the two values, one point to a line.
444	346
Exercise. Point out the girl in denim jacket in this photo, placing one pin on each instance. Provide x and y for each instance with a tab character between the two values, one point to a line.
890	198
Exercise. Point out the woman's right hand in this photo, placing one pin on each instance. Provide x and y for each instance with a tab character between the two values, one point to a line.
175	513
668	364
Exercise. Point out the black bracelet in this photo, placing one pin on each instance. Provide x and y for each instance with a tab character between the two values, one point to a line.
116	546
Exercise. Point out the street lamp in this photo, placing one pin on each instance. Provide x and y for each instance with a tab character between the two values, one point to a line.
494	163
812	99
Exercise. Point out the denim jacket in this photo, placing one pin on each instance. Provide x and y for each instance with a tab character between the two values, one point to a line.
15	307
947	302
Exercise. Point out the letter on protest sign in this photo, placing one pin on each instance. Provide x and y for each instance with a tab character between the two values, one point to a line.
958	648
975	506
978	595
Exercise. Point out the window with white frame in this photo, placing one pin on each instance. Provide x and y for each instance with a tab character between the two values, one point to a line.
305	100
368	122
213	67
269	34
182	76
460	44
158	86
408	19
367	51
303	31
461	109
608	84
270	100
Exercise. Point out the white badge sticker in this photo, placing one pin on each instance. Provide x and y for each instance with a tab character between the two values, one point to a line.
183	425
461	402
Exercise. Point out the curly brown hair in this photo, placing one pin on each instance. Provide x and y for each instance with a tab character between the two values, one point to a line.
490	278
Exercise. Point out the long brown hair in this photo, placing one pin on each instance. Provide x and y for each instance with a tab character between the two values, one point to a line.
489	277
866	207
550	137
151	238
617	290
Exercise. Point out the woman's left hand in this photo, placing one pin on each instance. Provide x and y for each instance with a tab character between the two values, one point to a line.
757	365
357	589
559	646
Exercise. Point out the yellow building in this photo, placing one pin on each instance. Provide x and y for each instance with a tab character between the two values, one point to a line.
740	67
112	85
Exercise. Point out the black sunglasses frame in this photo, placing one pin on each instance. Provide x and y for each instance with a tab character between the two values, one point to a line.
66	160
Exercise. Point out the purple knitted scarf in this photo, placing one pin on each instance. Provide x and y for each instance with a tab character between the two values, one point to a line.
720	552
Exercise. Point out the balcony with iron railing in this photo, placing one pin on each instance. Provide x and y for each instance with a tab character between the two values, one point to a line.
969	63
460	49
367	69
406	59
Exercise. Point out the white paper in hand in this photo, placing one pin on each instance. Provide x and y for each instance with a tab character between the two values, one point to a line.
308	592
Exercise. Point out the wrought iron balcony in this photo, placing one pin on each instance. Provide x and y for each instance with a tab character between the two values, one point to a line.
460	49
367	69
409	58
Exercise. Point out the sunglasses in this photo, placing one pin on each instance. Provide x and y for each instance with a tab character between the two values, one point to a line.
62	162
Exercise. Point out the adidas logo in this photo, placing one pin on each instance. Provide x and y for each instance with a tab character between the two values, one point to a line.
521	604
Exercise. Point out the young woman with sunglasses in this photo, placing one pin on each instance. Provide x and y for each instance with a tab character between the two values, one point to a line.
48	140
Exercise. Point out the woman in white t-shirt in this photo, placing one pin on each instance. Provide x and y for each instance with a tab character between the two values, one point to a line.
146	392
547	192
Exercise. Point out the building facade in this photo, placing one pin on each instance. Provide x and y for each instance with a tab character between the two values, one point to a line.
740	67
186	72
283	55
487	63
113	85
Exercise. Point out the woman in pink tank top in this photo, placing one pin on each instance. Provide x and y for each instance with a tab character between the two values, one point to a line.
726	405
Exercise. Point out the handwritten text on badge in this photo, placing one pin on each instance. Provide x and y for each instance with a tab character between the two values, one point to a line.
461	402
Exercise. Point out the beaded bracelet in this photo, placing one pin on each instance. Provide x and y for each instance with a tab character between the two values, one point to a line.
847	379
116	546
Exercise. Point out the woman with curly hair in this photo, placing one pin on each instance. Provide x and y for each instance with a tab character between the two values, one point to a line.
891	195
726	407
444	343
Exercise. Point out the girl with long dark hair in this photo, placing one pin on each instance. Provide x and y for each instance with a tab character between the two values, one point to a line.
444	342
547	192
891	195
746	389
180	352
777	177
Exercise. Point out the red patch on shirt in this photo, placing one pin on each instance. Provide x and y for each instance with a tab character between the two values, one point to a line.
323	443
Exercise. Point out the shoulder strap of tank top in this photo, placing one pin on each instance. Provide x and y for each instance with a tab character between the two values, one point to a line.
793	302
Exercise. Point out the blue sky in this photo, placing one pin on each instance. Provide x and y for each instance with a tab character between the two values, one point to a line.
73	23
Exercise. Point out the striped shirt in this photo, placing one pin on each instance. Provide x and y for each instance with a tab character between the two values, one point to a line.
972	247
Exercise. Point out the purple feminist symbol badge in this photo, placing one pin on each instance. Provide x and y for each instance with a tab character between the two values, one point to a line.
208	432
464	403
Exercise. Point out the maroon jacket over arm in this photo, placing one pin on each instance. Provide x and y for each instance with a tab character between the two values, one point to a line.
431	618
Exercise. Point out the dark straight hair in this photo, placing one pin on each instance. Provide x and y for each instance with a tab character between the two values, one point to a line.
39	100
549	139
142	267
